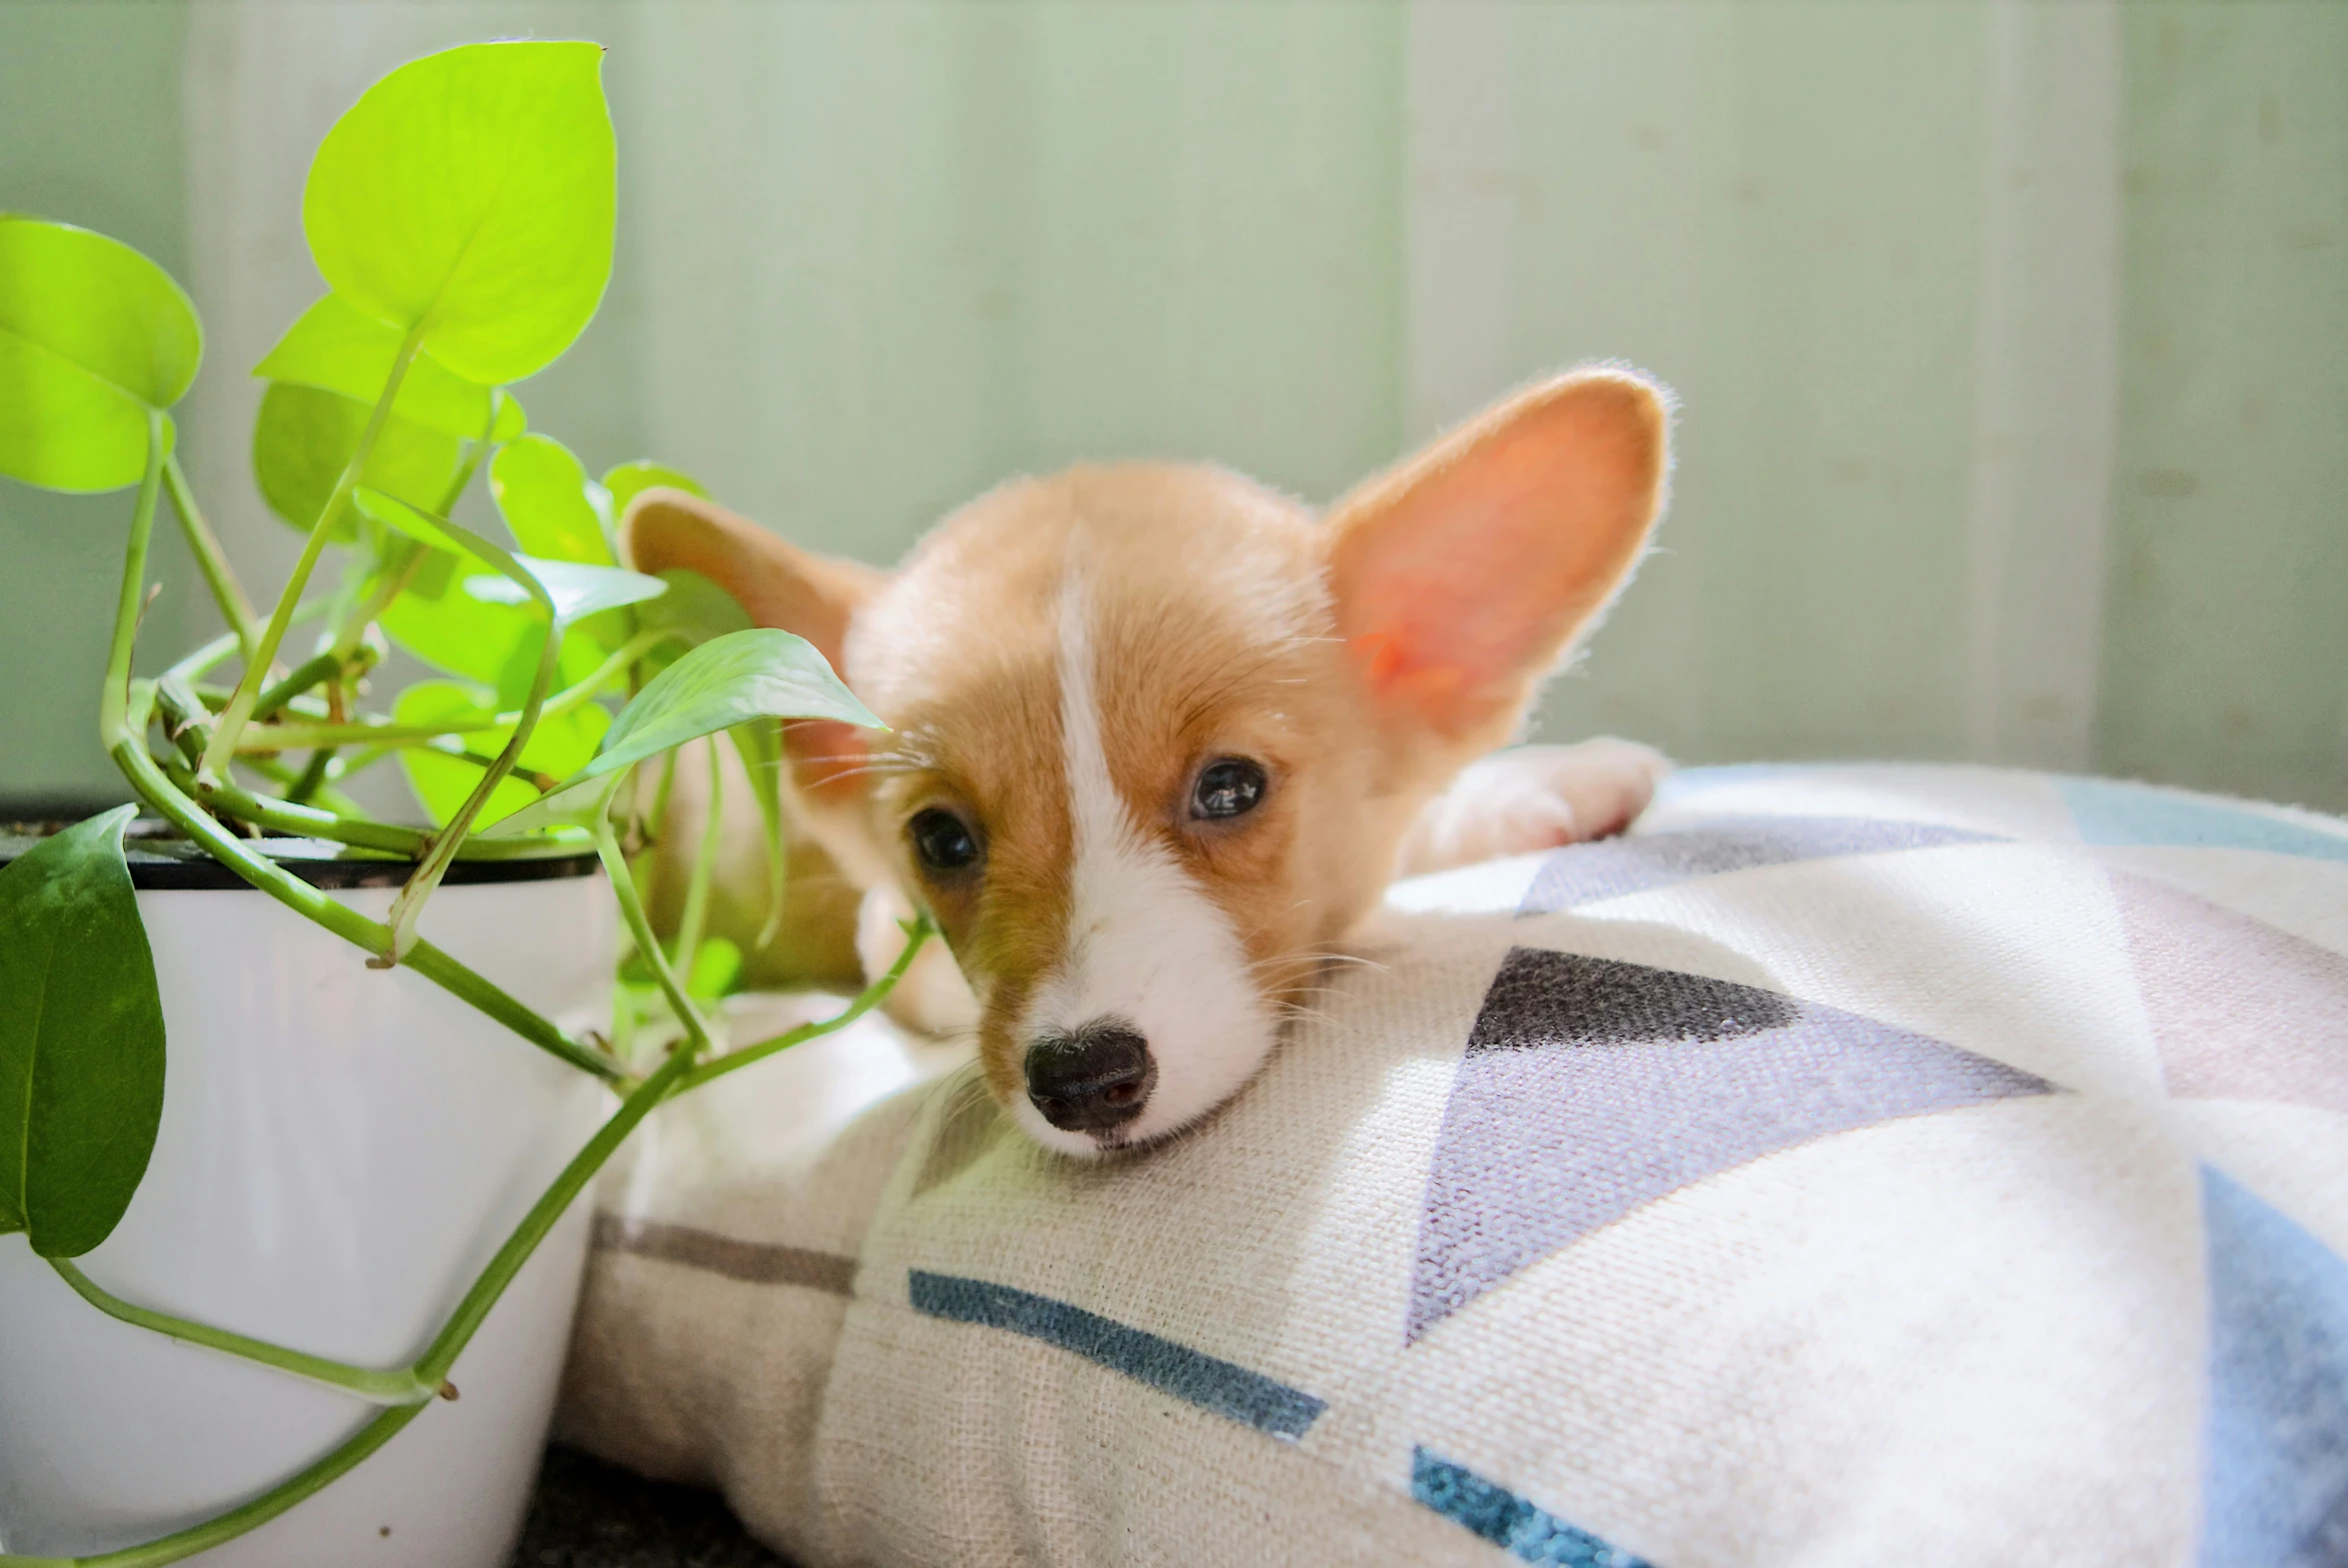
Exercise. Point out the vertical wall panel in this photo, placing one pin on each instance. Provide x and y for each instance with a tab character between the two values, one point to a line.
2226	658
900	252
1985	452
89	108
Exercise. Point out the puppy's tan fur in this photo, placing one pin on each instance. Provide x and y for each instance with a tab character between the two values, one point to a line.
1364	659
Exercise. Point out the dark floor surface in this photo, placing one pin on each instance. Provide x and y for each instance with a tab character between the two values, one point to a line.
587	1514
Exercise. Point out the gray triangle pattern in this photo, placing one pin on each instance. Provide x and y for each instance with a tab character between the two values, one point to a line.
1610	867
1591	1086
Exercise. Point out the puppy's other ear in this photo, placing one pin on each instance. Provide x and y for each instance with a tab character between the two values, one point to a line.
776	583
1463	575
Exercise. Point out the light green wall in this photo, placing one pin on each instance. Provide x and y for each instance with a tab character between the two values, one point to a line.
2226	660
1775	211
90	134
877	257
997	239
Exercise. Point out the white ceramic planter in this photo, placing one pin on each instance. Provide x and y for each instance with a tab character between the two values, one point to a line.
342	1149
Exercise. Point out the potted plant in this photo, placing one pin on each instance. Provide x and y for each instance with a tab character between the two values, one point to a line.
296	1104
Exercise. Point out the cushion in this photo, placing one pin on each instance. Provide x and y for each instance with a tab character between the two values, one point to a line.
1853	1165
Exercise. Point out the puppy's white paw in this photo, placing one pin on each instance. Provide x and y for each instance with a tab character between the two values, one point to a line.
933	997
1534	797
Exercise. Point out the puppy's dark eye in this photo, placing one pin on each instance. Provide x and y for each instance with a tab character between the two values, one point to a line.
942	841
1231	786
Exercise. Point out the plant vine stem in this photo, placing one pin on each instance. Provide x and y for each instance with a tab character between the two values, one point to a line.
308	674
114	700
398	1386
306	788
303	737
130	755
431	1369
239	706
918	932
392	582
705	860
199	664
408	907
124	735
227	592
269	767
310	821
680	1074
607	844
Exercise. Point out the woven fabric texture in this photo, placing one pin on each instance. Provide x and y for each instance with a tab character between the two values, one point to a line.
1853	1165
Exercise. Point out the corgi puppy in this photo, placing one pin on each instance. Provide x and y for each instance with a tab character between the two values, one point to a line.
1159	736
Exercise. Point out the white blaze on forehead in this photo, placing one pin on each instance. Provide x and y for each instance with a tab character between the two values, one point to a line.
1144	942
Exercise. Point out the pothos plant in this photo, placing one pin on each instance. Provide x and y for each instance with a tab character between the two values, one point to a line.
461	213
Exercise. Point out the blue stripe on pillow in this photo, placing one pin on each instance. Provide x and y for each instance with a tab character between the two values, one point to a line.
1190	1375
1531	1534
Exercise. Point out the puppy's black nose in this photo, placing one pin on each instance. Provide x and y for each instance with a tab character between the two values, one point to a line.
1092	1080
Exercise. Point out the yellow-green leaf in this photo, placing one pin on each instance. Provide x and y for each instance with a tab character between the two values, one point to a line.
304	436
338	348
93	335
541	491
472	193
630	480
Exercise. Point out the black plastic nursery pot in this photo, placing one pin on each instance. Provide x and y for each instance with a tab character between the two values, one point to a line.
161	856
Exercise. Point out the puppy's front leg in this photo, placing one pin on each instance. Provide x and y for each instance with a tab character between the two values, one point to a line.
1534	797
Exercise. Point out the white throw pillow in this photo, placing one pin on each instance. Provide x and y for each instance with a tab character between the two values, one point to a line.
1854	1165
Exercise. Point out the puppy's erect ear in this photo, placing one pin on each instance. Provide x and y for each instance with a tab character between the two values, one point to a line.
1463	575
776	583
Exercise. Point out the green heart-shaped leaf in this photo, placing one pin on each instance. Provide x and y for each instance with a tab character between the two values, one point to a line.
717	966
557	747
541	491
336	347
81	1040
472	193
760	674
463	635
571	590
577	590
763	673
630	480
304	437
93	335
694	608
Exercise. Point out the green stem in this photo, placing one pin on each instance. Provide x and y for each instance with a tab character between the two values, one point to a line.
543	1215
227	1526
697	886
227	592
270	739
130	755
239	706
114	700
303	737
199	664
399	1386
408	907
678	1076
313	777
310	673
310	821
920	931
278	773
603	674
469	986
607	844
432	1369
390	583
